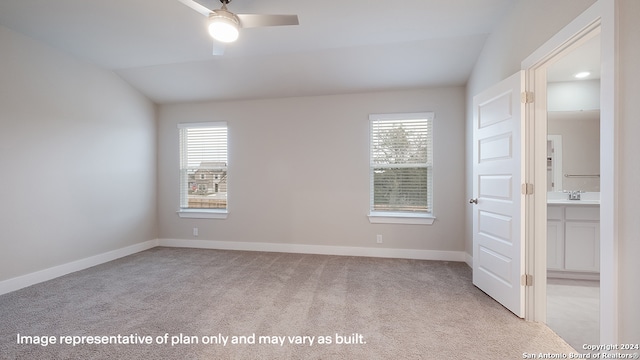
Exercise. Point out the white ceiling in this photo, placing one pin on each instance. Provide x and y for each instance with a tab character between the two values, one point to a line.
586	57
161	47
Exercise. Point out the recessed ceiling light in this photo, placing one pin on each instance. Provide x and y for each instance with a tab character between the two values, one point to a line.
582	75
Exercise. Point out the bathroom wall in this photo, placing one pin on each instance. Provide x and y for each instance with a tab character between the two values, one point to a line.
583	95
580	131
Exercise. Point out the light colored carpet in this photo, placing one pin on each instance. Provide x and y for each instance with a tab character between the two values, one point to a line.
398	309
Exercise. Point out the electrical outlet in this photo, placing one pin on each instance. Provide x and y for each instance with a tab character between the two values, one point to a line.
379	239
195	231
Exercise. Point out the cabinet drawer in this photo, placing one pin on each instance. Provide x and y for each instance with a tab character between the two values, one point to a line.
582	213
554	212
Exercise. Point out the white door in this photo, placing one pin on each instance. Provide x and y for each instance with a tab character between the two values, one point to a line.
498	237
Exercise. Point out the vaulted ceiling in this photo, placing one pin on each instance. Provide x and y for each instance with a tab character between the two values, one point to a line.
162	47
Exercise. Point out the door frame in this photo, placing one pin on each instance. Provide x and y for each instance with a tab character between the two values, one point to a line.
599	17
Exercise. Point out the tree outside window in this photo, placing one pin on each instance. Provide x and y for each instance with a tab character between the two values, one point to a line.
401	163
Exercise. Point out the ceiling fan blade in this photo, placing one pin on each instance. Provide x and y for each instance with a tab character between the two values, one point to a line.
197	7
218	48
257	20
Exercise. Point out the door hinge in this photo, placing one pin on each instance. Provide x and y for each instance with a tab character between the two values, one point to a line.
526	97
526	280
527	189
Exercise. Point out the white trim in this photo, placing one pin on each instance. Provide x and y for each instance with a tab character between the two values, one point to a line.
202	124
609	129
400	218
202	214
458	256
573	31
33	278
428	115
468	258
19	282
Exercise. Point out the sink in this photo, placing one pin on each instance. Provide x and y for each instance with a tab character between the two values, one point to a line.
586	198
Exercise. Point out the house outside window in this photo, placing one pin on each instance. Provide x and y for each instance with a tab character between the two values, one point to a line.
401	168
203	170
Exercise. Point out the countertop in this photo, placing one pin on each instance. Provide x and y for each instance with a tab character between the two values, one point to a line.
561	198
573	202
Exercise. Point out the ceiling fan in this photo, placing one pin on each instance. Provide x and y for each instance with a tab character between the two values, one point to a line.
224	26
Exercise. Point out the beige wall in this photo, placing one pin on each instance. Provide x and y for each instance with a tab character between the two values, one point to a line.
628	150
298	170
580	131
77	153
526	27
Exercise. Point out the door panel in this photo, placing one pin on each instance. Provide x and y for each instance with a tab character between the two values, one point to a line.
495	226
495	148
498	241
496	186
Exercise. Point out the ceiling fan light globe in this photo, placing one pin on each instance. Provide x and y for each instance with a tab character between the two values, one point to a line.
223	28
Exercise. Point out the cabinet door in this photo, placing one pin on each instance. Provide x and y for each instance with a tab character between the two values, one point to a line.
582	246
555	245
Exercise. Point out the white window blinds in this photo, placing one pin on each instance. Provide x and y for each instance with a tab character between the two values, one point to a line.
401	163
203	165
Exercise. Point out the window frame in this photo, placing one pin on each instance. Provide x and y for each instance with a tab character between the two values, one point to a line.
200	213
401	217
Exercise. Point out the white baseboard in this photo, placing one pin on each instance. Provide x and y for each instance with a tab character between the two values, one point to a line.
23	281
468	259
33	278
317	249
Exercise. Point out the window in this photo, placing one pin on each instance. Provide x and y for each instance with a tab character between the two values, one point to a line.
203	157
401	170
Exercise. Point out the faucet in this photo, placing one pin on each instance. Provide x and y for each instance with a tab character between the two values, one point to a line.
574	194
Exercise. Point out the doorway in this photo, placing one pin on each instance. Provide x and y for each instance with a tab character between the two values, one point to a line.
573	192
598	20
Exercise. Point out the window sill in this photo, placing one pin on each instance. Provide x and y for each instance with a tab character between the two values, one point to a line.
202	214
400	218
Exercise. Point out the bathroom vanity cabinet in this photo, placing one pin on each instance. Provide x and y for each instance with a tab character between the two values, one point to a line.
573	240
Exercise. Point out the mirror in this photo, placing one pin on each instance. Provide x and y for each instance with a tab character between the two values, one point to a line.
573	150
